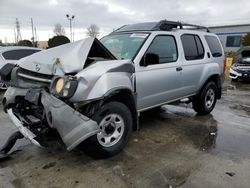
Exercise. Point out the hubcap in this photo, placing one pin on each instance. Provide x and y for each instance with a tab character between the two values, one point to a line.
112	129
209	99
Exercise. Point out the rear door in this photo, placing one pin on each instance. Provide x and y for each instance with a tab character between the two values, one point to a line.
160	81
193	63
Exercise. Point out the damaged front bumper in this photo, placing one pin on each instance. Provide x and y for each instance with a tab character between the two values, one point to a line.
72	126
25	132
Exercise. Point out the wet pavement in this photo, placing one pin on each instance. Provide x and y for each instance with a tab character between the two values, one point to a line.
174	148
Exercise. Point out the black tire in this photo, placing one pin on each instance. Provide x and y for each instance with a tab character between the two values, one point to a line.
199	101
93	147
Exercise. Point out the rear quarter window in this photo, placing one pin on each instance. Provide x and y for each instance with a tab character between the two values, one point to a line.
18	54
214	46
192	46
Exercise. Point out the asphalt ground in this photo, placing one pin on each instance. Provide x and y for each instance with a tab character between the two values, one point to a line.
173	148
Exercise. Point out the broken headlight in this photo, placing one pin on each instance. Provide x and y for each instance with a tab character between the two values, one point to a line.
64	87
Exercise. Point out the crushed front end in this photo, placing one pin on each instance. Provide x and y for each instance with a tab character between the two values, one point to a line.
36	112
59	90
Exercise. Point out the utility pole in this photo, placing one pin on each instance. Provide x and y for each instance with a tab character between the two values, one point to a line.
15	35
18	35
32	27
70	18
36	35
73	30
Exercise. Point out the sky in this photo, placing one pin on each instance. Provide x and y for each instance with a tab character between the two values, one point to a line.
111	14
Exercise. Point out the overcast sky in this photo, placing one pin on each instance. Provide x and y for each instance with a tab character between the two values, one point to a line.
110	14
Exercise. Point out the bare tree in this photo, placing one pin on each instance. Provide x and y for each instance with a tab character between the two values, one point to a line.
93	30
59	30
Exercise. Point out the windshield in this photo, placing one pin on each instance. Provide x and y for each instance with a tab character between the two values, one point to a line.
124	46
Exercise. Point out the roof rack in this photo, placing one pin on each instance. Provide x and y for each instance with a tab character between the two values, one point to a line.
169	25
163	25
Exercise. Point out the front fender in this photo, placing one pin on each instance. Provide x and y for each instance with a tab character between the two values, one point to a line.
94	85
110	82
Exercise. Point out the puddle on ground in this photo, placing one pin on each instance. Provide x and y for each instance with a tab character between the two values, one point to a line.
226	131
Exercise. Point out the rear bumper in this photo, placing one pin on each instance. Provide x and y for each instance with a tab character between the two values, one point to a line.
72	126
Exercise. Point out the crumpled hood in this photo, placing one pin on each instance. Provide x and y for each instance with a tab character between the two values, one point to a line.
69	58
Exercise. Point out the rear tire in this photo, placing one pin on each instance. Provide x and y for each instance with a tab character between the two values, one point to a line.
115	121
205	102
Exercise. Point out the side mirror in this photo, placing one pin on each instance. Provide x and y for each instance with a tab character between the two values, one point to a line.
150	59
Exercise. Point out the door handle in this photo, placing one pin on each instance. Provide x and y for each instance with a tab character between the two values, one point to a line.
179	69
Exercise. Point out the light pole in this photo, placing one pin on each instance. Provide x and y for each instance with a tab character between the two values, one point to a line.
70	18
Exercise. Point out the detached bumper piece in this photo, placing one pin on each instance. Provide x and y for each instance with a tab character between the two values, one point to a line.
72	126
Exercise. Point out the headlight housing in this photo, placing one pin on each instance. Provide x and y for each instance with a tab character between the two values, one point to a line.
64	87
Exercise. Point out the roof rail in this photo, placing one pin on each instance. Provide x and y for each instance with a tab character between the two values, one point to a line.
169	25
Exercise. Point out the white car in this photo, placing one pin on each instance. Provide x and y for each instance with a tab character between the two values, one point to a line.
240	70
11	54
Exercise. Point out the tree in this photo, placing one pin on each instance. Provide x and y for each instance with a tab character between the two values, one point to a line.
24	43
93	30
59	30
57	41
246	40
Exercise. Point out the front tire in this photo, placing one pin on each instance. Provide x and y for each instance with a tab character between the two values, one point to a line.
205	102
115	121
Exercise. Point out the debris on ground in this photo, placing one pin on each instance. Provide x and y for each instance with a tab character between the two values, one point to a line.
230	173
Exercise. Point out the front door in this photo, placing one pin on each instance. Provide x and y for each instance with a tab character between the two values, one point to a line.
159	80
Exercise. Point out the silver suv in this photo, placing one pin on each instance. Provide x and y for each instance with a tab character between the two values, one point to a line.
92	92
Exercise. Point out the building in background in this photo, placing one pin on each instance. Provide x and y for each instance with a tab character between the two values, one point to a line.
231	35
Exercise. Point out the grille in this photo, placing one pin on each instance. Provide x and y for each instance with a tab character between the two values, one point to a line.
30	75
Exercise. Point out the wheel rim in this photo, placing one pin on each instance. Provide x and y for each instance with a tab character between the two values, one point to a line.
112	129
209	99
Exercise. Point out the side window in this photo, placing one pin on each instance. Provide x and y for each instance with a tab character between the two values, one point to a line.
18	54
233	41
193	48
214	46
164	46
